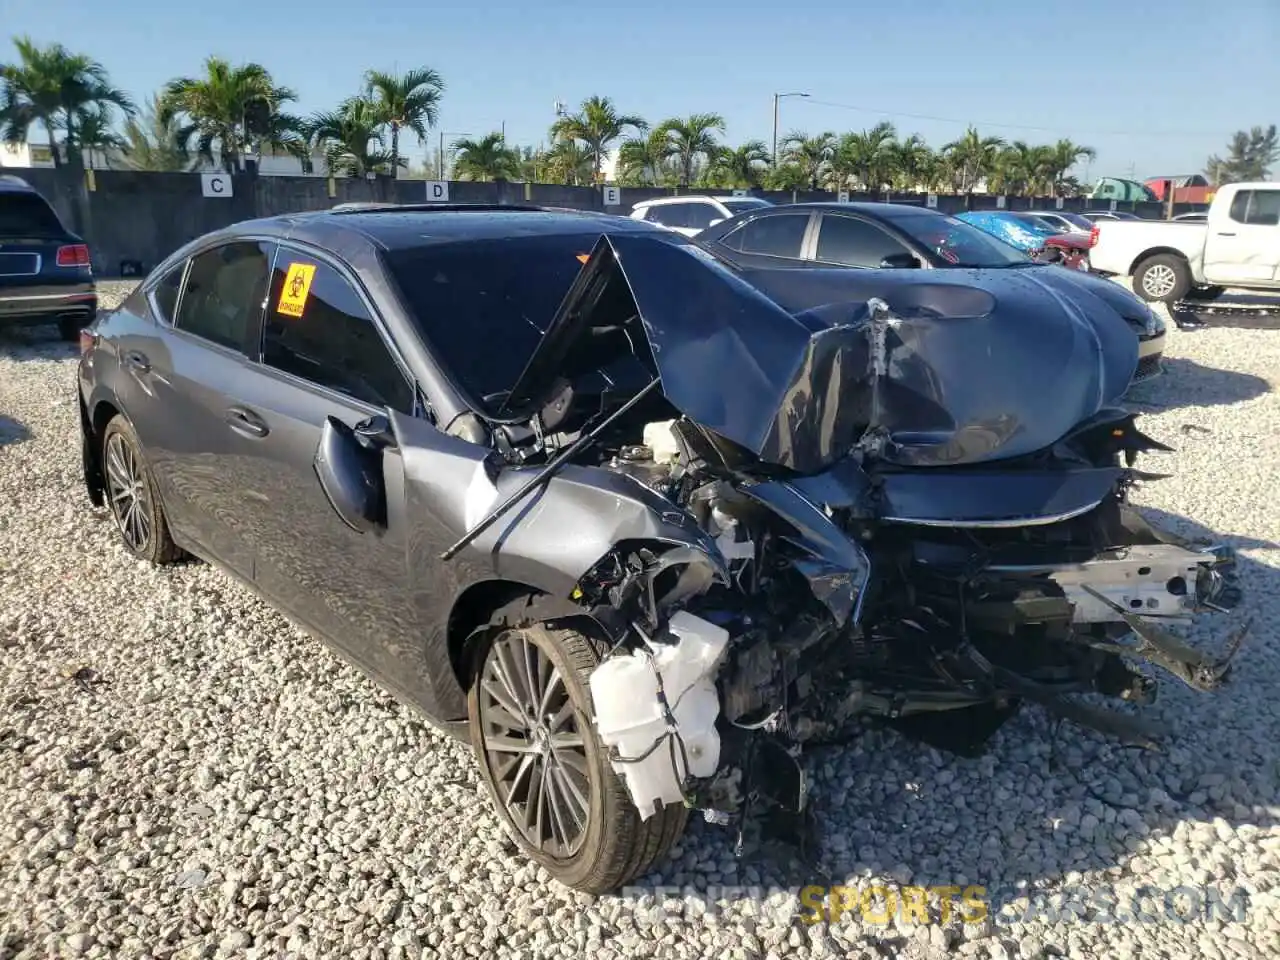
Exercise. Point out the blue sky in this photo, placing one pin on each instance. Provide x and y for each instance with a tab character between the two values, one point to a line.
1154	87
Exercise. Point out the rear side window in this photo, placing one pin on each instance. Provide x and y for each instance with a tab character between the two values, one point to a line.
699	215
1259	208
776	236
225	290
855	243
670	214
318	328
27	215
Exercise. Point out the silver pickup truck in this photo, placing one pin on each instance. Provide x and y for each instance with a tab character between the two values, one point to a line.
1238	246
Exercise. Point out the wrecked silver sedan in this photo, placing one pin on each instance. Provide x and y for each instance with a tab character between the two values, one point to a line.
639	523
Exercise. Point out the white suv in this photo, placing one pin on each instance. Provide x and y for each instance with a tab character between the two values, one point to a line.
691	215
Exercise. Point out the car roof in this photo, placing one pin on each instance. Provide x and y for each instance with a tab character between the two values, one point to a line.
11	183
698	197
886	211
409	226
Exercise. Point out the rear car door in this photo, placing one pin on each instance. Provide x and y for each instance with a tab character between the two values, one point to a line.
324	354
178	379
1243	241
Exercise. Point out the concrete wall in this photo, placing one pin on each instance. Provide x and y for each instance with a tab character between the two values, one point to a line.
138	218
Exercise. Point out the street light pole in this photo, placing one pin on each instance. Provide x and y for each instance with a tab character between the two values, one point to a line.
776	98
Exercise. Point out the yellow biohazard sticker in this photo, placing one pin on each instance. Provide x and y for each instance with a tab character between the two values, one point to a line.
297	286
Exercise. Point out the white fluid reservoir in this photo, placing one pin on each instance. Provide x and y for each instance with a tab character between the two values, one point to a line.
631	721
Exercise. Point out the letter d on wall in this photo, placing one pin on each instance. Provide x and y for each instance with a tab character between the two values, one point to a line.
437	191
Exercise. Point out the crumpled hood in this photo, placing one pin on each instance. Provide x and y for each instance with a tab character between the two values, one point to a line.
950	366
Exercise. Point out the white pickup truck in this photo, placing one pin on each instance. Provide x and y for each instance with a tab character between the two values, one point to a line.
1239	246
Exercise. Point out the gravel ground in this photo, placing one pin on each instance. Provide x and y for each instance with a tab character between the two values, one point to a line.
183	774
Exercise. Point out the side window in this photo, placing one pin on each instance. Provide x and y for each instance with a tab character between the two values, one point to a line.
224	294
1264	209
319	329
1240	206
164	295
775	236
854	243
669	214
699	215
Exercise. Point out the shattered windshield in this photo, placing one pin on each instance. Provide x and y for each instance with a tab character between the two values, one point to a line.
483	306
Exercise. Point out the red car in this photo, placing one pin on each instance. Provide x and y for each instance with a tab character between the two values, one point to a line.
1073	247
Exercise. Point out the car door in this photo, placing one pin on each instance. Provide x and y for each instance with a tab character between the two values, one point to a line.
323	354
672	216
699	214
1242	245
854	242
772	239
178	375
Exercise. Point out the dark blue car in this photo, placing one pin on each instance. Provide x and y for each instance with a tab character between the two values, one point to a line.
45	273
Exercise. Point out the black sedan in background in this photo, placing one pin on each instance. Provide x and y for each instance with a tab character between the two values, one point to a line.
45	274
903	236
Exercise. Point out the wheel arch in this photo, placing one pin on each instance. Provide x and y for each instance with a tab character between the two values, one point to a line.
485	602
1156	252
93	421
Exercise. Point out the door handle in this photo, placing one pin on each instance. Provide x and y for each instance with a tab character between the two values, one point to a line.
137	360
1221	234
246	421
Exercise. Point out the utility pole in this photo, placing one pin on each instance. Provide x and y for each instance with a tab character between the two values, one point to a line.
776	98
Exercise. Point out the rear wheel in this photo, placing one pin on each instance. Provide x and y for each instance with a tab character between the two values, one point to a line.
132	496
1164	277
532	727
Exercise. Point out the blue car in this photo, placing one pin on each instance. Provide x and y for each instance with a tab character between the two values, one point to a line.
1025	234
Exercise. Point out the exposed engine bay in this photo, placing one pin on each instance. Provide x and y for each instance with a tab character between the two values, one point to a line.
871	541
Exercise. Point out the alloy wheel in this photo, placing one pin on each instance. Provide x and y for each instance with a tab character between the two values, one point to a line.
127	490
1158	281
533	745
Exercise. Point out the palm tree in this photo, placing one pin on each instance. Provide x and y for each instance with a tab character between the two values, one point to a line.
95	133
644	160
1023	169
742	166
150	144
350	138
570	163
812	155
1065	155
597	124
485	159
868	155
410	101
973	156
56	89
236	108
691	140
910	163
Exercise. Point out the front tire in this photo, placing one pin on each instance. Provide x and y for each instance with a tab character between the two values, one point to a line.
533	731
1164	278
132	496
